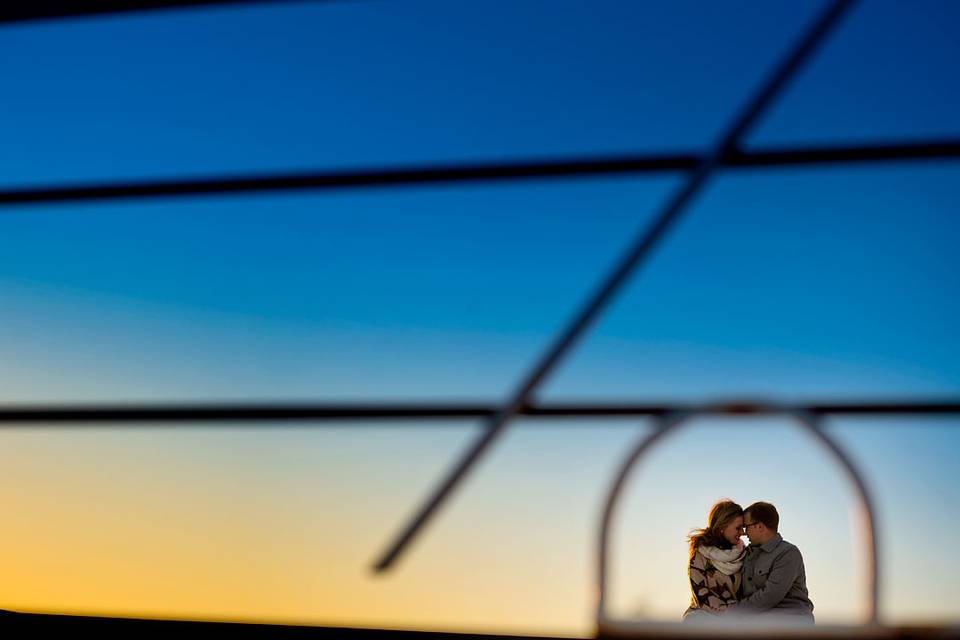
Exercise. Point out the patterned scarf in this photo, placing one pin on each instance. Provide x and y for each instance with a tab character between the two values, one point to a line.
727	561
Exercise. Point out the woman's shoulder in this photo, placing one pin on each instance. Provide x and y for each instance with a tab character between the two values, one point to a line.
699	560
707	550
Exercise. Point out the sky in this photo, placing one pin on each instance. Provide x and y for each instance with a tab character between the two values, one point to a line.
784	284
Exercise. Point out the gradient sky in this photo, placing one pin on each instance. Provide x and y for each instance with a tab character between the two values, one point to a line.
791	285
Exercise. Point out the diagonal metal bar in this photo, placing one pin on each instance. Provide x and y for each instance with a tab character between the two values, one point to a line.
170	415
518	170
641	249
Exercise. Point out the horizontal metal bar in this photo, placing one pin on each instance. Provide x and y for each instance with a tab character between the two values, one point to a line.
479	172
824	154
522	170
13	414
17	624
20	12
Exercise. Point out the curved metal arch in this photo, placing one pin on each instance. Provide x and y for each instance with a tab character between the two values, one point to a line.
811	424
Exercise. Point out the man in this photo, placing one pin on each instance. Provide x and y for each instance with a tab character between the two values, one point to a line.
774	580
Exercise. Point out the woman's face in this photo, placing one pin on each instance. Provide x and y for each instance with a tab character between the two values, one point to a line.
734	530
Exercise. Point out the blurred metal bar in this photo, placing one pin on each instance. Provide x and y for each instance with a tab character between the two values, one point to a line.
364	178
868	530
642	247
36	624
37	10
773	157
185	414
64	625
520	170
646	442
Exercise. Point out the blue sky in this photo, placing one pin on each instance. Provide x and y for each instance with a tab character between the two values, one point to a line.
791	284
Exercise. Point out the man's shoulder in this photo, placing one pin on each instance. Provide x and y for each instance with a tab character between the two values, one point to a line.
788	548
778	547
784	544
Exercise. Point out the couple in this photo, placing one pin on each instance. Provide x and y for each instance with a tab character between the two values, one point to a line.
764	582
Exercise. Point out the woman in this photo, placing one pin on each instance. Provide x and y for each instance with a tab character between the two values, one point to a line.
716	559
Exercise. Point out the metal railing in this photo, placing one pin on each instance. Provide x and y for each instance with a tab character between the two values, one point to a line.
726	155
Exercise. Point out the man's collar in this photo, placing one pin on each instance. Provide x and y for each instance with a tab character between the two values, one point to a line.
772	543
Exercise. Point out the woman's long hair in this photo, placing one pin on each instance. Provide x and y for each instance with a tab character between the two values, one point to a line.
721	515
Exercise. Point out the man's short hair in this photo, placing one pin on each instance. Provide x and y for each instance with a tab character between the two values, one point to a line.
766	513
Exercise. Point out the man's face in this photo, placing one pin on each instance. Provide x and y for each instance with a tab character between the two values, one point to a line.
756	531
